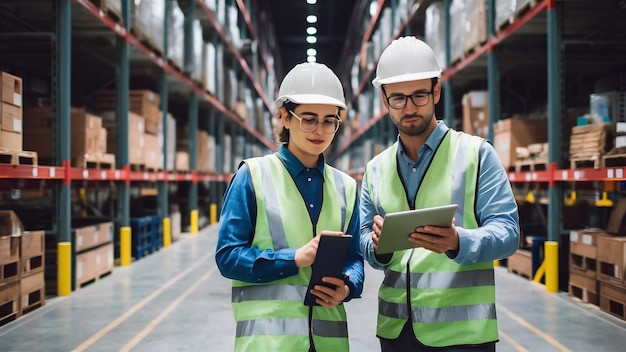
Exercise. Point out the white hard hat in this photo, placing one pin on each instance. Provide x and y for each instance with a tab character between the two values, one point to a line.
311	83
406	59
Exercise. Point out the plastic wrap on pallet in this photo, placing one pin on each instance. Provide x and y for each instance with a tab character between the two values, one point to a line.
434	31
115	5
176	33
198	43
475	31
208	67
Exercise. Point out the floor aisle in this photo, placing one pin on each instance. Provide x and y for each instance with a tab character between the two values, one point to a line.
176	300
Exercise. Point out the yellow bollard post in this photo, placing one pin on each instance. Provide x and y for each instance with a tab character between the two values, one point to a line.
125	246
64	268
193	222
552	266
213	213
167	232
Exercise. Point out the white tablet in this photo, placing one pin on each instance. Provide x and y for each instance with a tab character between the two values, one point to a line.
394	236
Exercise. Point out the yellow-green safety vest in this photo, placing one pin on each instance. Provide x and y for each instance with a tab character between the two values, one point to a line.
448	304
272	316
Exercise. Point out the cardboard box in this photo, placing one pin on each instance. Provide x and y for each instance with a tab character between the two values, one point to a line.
476	113
11	118
584	288
11	140
33	243
617	220
613	300
91	236
583	252
512	133
611	259
136	132
181	161
11	89
85	132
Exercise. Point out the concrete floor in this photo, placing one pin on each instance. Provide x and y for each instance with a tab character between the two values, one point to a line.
176	300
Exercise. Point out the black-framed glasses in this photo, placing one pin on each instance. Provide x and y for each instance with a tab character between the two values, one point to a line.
398	101
309	123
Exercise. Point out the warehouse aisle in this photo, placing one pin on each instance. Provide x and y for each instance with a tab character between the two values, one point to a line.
176	300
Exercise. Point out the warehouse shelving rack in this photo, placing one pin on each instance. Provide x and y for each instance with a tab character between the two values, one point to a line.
171	83
543	23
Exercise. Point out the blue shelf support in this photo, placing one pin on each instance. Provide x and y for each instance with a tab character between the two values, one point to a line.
163	92
448	106
555	191
493	72
122	105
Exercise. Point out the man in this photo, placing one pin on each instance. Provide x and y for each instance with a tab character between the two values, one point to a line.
440	295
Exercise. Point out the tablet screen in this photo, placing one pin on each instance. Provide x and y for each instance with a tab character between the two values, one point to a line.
397	226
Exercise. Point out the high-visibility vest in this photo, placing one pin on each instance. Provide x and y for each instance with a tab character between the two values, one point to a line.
448	304
272	316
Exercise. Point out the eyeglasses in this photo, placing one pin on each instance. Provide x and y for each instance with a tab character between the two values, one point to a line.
309	123
398	101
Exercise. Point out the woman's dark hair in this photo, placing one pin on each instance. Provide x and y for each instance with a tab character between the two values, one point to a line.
280	132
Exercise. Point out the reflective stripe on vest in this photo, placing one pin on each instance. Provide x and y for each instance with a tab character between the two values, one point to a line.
450	304
272	315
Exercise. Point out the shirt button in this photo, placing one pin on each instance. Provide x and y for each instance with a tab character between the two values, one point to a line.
308	179
414	170
310	205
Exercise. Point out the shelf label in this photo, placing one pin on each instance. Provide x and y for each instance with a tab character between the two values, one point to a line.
619	173
578	175
53	172
103	175
117	174
145	176
564	174
609	173
35	172
85	173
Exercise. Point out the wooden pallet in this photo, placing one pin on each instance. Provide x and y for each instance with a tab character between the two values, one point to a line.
18	157
33	300
532	164
9	272
83	283
614	160
114	13
595	161
95	161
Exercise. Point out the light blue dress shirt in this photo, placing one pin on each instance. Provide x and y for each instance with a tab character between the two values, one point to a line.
498	233
237	260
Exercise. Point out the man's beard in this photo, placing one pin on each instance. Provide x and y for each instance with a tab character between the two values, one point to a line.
416	128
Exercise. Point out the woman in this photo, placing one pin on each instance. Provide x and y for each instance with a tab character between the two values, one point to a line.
275	209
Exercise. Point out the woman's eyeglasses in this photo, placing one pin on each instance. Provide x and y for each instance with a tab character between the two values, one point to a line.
309	123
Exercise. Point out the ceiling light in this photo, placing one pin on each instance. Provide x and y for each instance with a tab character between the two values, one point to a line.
311	52
311	39
311	30
311	19
311	59
311	2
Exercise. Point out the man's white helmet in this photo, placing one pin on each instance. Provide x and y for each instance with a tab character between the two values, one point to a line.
311	83
406	59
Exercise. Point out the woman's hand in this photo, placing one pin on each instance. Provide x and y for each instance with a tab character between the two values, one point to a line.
305	255
330	297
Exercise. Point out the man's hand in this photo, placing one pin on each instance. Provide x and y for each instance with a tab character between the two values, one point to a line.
436	239
376	227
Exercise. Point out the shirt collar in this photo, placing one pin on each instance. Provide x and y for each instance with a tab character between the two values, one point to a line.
432	141
294	165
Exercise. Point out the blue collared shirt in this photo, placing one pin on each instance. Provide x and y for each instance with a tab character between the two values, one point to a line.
237	260
498	233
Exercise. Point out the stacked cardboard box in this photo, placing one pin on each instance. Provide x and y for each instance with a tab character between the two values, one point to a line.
476	113
92	252
145	104
136	136
21	268
89	138
10	112
510	134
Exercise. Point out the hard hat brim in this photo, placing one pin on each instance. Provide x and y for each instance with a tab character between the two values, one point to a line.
309	99
377	82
